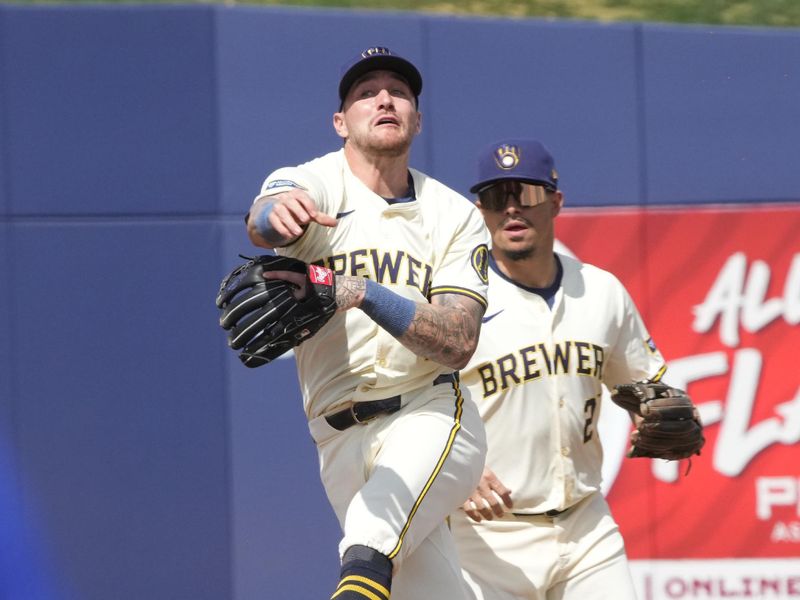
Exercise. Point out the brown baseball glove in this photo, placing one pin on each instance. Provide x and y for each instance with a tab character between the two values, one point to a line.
669	427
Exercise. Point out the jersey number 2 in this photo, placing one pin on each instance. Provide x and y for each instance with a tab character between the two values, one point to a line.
588	410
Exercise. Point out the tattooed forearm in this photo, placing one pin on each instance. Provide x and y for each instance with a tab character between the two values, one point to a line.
349	291
447	331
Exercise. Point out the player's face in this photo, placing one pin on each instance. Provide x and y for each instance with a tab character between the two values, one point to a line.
379	115
520	230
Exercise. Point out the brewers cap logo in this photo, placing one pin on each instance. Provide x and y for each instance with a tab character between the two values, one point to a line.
376	50
507	156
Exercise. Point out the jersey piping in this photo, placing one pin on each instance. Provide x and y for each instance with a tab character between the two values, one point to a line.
450	289
459	409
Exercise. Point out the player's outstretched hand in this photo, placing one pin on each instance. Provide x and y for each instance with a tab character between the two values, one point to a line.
290	213
489	500
293	211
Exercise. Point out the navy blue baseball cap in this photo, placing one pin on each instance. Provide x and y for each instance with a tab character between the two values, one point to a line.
378	58
521	160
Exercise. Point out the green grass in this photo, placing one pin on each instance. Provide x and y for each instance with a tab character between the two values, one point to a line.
776	13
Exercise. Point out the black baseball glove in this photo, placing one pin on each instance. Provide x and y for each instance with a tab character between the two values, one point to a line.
264	317
670	427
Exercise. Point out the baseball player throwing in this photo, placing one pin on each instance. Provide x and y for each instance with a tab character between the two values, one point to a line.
556	330
400	444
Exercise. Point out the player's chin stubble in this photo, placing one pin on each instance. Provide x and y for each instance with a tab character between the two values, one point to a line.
390	148
519	255
376	145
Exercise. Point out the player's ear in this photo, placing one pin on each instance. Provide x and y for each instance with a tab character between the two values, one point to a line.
419	123
558	202
339	125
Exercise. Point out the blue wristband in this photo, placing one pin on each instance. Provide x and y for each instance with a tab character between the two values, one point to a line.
263	227
389	310
265	230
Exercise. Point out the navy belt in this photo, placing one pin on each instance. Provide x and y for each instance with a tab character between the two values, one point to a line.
363	412
554	513
548	513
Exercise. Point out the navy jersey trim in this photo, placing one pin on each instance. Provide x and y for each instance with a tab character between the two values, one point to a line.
547	293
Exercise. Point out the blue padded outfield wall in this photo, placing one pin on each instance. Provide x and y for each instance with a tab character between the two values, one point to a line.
138	458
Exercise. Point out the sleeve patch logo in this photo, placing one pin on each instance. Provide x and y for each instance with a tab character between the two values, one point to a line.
283	183
651	345
480	262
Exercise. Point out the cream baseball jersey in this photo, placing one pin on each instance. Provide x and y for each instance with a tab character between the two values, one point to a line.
432	245
538	371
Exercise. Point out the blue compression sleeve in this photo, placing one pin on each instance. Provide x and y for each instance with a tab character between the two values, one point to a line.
389	310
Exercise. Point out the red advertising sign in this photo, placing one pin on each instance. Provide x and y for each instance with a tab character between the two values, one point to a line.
719	289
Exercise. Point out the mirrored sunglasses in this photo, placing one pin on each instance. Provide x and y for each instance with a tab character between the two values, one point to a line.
496	196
